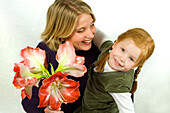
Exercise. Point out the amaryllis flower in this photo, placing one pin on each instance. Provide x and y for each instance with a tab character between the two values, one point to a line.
35	59
69	63
24	79
30	70
58	89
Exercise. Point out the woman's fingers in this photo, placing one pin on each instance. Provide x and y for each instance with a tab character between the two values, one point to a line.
48	110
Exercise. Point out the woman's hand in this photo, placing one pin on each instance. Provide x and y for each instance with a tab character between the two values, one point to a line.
48	110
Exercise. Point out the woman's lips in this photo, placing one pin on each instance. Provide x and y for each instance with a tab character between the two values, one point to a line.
87	42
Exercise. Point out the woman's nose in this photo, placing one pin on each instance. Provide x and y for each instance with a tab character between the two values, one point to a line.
90	34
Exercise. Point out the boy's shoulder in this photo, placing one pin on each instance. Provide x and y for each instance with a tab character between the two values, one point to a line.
106	46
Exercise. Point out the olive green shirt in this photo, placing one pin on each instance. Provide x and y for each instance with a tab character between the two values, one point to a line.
96	97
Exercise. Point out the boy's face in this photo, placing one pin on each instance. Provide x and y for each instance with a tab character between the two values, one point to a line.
124	55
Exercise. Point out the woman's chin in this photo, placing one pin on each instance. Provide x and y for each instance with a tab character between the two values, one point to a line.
86	46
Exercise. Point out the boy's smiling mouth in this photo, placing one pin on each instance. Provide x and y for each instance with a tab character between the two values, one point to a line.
117	63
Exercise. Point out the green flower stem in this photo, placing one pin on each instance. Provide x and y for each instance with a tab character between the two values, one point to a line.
46	72
38	76
52	69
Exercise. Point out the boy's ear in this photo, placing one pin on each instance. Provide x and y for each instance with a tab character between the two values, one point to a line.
114	43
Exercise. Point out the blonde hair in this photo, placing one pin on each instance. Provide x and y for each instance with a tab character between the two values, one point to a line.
62	17
143	40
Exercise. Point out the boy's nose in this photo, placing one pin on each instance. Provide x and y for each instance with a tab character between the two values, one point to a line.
122	58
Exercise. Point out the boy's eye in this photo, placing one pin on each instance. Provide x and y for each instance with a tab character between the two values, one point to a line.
131	59
123	49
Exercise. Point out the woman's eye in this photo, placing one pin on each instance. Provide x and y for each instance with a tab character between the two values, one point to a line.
92	25
80	30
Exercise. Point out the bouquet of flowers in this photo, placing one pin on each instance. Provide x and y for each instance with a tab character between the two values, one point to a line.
56	88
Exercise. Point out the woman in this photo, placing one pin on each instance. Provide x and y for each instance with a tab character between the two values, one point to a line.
67	20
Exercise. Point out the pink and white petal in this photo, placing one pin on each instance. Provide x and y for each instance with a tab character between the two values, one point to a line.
80	67
66	53
22	75
71	97
22	69
46	86
55	105
33	57
57	89
30	81
24	72
69	83
79	60
45	93
22	82
16	67
19	82
75	70
57	76
48	98
23	95
31	53
46	90
69	90
44	100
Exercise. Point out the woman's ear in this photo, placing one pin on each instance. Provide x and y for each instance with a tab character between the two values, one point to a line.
62	40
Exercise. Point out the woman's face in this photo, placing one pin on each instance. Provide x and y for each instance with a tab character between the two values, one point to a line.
84	32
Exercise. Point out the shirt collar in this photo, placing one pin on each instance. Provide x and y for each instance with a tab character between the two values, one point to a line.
107	68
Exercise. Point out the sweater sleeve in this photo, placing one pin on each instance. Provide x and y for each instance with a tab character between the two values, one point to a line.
31	105
100	38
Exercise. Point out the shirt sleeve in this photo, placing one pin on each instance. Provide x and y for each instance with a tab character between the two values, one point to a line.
124	102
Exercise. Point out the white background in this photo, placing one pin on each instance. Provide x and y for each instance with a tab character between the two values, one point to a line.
22	22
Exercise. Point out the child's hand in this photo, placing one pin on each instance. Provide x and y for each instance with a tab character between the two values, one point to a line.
48	110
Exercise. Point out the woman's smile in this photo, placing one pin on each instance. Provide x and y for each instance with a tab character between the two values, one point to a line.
87	42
